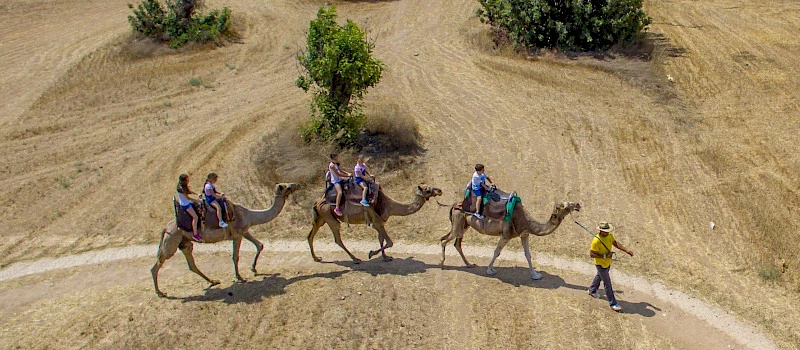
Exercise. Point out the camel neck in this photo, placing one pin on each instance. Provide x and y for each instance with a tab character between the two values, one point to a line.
258	217
404	209
543	229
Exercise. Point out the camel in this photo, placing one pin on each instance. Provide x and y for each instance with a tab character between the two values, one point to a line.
173	237
377	215
520	225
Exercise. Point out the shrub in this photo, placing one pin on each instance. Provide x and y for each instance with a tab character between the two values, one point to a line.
339	66
565	24
178	23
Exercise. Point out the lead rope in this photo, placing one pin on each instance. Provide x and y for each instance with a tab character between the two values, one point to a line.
593	235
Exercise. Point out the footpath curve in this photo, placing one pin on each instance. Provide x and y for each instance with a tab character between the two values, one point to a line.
742	332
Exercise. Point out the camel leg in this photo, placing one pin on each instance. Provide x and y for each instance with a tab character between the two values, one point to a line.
457	244
237	244
382	236
259	247
166	249
502	243
186	248
526	246
445	239
381	239
337	237
318	222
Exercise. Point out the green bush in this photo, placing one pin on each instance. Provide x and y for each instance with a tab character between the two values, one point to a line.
338	64
581	25
178	24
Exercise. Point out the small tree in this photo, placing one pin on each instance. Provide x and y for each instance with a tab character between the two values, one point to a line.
565	24
338	62
179	22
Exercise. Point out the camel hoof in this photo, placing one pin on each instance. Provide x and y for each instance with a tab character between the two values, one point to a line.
161	295
472	265
491	272
214	283
371	254
387	258
254	271
356	261
317	259
241	280
536	276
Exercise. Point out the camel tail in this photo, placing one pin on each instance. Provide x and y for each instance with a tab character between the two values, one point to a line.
161	240
451	221
451	214
315	212
170	226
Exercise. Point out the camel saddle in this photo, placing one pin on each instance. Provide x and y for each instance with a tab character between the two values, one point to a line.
351	192
211	213
184	220
497	204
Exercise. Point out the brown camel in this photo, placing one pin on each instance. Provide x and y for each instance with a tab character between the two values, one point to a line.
173	237
520	226
377	215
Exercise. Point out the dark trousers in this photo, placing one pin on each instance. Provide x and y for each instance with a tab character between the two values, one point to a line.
602	275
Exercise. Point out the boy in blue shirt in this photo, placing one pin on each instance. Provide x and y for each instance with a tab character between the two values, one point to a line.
479	179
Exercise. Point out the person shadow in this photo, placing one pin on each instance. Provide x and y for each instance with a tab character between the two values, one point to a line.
254	291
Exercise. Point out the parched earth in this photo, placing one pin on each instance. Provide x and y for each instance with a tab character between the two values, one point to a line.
298	303
96	126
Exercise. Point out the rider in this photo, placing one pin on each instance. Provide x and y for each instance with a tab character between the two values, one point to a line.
361	175
479	179
185	202
337	176
213	197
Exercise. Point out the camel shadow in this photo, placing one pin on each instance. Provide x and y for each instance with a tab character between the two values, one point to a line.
375	267
516	276
254	291
520	276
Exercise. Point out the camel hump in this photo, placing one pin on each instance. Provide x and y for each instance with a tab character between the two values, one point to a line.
495	203
352	192
184	220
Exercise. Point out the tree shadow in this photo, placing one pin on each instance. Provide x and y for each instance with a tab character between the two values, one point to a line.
645	47
255	291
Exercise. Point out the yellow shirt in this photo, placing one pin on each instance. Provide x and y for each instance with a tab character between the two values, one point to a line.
598	247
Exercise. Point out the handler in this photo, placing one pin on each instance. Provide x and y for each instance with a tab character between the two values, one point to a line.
601	252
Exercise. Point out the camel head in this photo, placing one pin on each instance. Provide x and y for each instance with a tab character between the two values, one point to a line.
564	208
285	189
428	191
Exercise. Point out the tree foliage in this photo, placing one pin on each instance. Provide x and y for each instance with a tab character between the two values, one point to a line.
565	24
339	67
178	22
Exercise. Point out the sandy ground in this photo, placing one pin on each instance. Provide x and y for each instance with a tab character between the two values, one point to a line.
95	127
660	316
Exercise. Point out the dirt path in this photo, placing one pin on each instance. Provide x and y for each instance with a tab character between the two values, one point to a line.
686	321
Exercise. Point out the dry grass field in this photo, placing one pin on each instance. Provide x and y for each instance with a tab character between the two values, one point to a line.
96	126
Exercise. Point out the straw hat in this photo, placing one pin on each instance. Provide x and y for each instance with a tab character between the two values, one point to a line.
605	226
